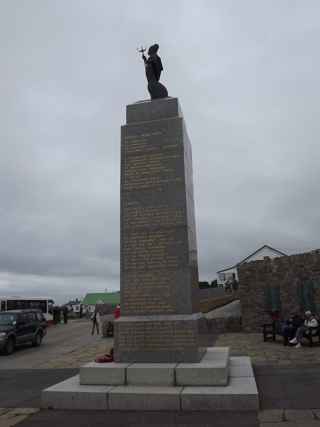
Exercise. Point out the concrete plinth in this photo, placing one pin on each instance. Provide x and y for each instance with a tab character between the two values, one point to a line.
155	374
70	394
213	370
240	367
155	391
240	394
103	373
149	398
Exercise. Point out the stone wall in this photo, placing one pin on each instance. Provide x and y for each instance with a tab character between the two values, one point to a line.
220	325
289	283
211	298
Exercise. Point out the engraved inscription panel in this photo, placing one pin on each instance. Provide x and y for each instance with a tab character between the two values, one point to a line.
156	273
145	249
150	170
155	291
139	216
153	336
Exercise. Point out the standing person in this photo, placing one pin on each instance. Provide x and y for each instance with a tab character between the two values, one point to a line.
95	321
117	312
309	323
234	284
54	314
65	314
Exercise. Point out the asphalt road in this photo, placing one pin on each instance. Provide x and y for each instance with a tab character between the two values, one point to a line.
279	387
22	388
294	387
138	419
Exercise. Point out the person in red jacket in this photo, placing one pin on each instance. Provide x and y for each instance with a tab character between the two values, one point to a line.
108	358
117	312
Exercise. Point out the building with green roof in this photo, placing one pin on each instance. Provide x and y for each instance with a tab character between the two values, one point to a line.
91	299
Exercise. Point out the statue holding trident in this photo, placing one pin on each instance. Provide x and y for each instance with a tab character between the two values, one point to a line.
153	66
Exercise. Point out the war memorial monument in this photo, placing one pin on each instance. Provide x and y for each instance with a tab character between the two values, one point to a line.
159	364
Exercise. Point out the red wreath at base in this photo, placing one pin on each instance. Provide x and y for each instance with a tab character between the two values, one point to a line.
106	358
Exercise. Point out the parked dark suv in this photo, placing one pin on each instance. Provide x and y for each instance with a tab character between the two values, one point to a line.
19	327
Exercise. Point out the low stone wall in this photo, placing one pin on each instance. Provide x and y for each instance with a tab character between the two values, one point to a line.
293	280
220	325
211	298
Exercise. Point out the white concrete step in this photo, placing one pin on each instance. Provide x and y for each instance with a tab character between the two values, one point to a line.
212	370
103	373
240	394
151	374
145	398
240	367
69	394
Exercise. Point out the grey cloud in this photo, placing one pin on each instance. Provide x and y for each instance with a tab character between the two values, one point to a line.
247	75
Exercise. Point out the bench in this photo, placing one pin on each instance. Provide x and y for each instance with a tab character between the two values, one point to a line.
314	333
272	329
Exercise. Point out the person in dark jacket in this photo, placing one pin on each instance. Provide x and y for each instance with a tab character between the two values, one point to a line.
309	326
65	314
290	326
95	321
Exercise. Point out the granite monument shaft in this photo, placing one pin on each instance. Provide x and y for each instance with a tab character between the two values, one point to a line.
159	272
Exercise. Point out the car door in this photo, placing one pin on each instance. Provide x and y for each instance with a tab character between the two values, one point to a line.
31	327
22	328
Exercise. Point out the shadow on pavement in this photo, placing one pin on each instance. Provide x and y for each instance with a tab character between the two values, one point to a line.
136	419
22	387
294	387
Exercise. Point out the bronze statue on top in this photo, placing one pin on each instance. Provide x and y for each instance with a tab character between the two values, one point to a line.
154	67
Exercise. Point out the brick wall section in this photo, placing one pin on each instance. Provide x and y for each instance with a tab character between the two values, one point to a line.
288	273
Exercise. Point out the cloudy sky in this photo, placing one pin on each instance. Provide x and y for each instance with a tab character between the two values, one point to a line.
247	76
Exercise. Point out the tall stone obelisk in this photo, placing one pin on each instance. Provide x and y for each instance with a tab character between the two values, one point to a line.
159	271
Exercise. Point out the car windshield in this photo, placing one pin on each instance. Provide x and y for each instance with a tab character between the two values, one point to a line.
7	319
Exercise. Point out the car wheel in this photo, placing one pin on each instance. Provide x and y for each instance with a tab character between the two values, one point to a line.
37	340
9	348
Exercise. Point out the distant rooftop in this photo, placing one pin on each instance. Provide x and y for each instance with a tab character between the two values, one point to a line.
280	253
105	297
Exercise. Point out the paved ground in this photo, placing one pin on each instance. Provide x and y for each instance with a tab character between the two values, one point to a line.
135	419
22	387
288	380
273	353
71	345
64	346
286	394
290	387
169	419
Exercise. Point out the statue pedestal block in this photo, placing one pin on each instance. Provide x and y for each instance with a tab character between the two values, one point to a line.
159	338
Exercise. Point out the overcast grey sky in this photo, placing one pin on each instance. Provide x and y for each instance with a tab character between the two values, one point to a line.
247	76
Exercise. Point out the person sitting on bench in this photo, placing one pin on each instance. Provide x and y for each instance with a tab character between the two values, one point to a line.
309	323
290	326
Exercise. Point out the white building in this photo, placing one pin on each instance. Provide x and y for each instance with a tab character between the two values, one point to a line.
232	272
